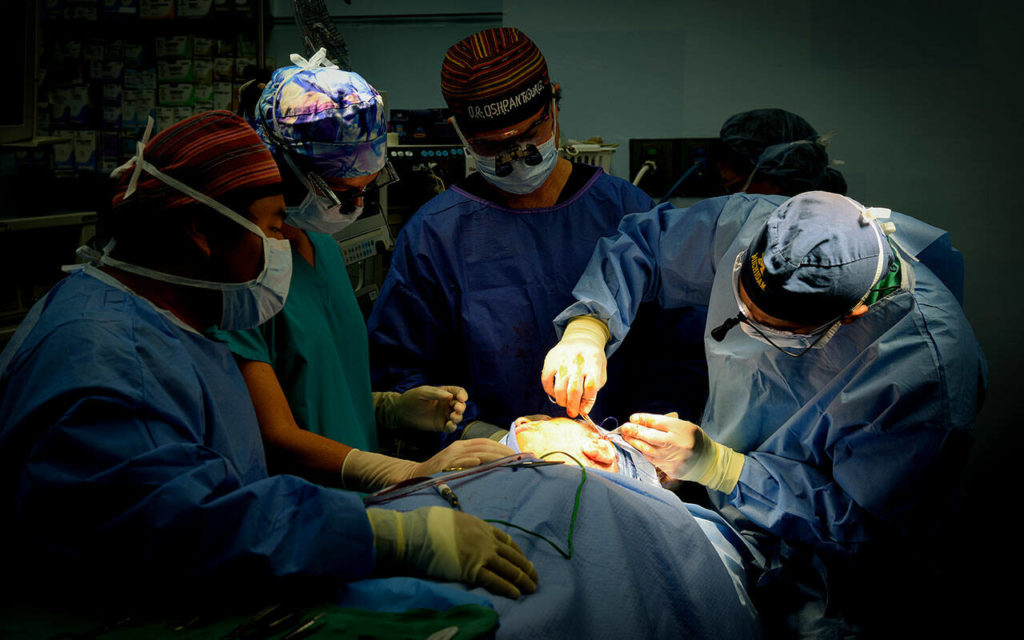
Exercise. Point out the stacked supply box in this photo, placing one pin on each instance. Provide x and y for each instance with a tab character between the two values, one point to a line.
110	65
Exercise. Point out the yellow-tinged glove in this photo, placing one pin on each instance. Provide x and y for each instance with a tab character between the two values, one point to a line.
425	408
368	472
683	451
451	545
576	368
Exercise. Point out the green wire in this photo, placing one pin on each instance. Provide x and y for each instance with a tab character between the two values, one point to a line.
575	509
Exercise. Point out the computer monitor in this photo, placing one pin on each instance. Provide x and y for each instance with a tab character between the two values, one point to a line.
18	33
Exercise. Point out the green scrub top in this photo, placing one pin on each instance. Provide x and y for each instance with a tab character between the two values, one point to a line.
317	346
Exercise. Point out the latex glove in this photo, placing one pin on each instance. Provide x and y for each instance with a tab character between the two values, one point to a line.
463	454
425	408
368	472
683	451
451	545
576	368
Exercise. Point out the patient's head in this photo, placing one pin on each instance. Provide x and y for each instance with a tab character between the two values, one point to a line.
578	439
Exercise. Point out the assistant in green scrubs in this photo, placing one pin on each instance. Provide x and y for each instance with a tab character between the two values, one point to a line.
307	369
317	346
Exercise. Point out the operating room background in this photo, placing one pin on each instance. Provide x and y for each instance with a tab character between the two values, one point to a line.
922	97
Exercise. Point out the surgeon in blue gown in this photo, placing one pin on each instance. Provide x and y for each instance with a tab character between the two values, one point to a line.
479	271
841	409
774	152
131	463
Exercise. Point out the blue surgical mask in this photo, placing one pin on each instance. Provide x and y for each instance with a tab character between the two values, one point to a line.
524	178
245	304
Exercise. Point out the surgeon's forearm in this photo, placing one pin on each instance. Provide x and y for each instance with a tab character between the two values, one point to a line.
767	481
290	448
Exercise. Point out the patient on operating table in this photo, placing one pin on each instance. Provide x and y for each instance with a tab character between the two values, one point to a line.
590	446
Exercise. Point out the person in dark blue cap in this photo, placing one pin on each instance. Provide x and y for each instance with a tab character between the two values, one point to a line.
774	152
839	417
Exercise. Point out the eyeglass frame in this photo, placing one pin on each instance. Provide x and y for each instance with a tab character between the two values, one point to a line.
346	199
513	140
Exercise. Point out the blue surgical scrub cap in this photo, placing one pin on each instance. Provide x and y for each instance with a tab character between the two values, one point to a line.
331	121
781	146
815	260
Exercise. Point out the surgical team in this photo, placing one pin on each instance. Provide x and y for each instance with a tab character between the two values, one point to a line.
200	399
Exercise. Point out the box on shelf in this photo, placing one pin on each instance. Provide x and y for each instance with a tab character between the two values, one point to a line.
194	8
179	46
223	96
170	71
156	9
86	156
64	152
181	94
203	70
223	69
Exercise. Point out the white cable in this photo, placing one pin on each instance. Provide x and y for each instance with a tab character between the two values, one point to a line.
649	165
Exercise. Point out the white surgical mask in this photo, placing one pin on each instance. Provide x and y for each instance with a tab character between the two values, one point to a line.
245	304
313	214
317	212
524	178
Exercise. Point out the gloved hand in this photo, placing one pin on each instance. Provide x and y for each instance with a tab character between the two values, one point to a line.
576	368
369	472
451	545
425	408
683	451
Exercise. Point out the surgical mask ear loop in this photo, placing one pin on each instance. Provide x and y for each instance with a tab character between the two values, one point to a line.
458	132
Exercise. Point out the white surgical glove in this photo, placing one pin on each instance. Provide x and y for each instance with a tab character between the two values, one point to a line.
425	408
683	451
451	545
368	472
576	368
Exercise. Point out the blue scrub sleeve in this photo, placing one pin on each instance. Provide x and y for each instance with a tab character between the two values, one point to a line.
133	443
892	438
141	494
664	254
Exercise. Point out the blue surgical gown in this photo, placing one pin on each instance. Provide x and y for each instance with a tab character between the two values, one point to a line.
317	347
644	564
473	286
129	449
852	443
